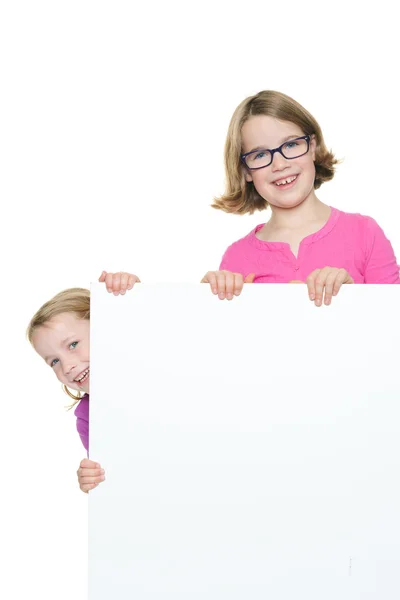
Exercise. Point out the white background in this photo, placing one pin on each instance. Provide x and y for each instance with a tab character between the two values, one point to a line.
112	123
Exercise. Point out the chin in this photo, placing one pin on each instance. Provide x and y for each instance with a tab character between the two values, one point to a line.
289	203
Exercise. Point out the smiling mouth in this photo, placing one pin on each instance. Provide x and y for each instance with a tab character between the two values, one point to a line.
286	181
84	376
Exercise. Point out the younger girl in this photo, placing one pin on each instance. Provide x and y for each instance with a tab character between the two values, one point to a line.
59	332
275	155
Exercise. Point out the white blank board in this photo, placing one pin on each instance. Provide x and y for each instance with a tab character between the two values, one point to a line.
251	447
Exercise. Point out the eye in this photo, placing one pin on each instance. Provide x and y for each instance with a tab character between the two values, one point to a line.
259	155
54	362
291	145
73	345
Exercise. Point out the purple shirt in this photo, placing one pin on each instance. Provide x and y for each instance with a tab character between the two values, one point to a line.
348	241
82	420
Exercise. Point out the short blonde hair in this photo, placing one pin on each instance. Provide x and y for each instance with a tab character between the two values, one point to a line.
73	300
240	195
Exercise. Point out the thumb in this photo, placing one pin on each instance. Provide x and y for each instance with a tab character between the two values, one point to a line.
102	276
250	278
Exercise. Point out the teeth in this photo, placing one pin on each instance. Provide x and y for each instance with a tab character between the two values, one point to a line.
288	180
82	376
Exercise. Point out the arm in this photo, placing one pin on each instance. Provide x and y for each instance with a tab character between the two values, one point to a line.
380	261
82	427
82	421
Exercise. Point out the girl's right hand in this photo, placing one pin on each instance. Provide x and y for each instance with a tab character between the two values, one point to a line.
90	474
118	283
226	284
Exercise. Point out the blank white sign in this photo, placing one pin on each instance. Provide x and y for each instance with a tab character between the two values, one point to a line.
251	448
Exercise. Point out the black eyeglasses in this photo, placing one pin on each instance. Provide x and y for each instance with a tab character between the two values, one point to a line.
258	159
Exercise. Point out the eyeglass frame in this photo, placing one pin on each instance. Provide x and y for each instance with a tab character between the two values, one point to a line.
272	152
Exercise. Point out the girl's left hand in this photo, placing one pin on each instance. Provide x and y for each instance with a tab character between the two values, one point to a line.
328	280
118	283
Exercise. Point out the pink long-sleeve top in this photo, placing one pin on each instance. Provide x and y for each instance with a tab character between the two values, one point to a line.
82	420
350	241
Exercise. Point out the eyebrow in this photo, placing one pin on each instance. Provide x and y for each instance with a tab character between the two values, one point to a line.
62	344
288	137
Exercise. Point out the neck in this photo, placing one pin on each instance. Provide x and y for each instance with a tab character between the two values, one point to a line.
311	209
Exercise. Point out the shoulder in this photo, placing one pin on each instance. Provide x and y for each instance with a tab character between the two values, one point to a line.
82	410
357	220
246	241
362	227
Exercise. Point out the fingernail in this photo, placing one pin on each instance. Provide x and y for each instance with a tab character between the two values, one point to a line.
102	471
229	296
123	292
115	293
312	296
214	290
98	465
236	292
221	296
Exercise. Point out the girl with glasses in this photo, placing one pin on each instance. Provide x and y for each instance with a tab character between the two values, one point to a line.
275	156
59	332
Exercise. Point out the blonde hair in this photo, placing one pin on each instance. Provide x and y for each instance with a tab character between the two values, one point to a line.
240	195
71	300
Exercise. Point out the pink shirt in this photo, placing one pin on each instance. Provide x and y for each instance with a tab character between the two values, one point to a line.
349	241
82	420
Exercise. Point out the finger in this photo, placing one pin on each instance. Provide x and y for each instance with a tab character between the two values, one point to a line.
342	277
124	282
329	283
229	285
88	480
82	472
311	283
211	278
116	283
88	487
238	283
221	279
250	278
339	280
319	285
132	279
91	464
109	282
102	277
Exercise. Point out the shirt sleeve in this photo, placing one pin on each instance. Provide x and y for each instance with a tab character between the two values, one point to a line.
82	422
381	264
233	261
83	429
225	266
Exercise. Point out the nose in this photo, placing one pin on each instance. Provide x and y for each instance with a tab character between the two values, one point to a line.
279	162
67	367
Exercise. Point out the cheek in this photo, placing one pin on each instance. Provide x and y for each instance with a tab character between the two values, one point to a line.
59	374
84	353
259	178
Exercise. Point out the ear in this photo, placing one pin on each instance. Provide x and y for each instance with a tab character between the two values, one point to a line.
247	175
313	146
